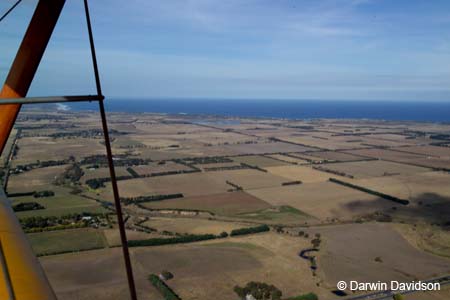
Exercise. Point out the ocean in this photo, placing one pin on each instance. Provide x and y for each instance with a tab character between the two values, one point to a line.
427	111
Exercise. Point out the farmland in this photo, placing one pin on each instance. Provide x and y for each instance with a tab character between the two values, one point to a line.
326	185
227	204
62	203
66	241
305	174
323	200
192	226
363	266
377	168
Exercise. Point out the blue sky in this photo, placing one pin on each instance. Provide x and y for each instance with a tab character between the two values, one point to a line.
304	49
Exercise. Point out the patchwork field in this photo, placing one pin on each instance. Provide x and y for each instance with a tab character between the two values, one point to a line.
102	173
335	156
226	204
323	200
73	240
89	275
63	203
155	167
428	192
259	161
405	157
305	174
429	238
441	152
193	225
379	141
189	184
249	179
374	168
35	179
268	147
112	236
352	250
282	214
207	270
289	159
411	186
44	148
196	184
246	172
326	141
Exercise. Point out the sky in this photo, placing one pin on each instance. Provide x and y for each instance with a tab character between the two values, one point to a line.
249	49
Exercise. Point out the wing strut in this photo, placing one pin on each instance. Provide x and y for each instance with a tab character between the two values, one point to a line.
27	61
14	92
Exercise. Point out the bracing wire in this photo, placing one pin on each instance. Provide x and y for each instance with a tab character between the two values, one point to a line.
126	253
10	10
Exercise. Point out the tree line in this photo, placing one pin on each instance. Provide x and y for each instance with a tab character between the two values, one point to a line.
143	199
163	288
189	238
372	192
25	206
250	230
96	183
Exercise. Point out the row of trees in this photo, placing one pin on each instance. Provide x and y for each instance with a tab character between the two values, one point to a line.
189	238
39	223
35	194
40	164
250	230
372	192
57	227
121	160
44	194
236	167
172	240
96	183
70	176
143	199
84	133
296	182
264	291
259	290
254	167
132	172
235	186
25	206
163	288
335	172
205	160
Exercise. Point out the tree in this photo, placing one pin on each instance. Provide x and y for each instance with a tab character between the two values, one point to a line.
167	275
259	290
276	295
316	242
239	291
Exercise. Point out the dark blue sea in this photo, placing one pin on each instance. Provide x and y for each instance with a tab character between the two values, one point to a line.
429	111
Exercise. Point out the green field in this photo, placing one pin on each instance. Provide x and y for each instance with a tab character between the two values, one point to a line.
280	214
63	203
62	241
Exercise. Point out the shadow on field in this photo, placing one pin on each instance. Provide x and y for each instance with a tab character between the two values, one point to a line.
427	207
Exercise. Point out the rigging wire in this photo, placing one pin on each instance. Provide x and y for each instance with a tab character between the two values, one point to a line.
121	223
10	10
